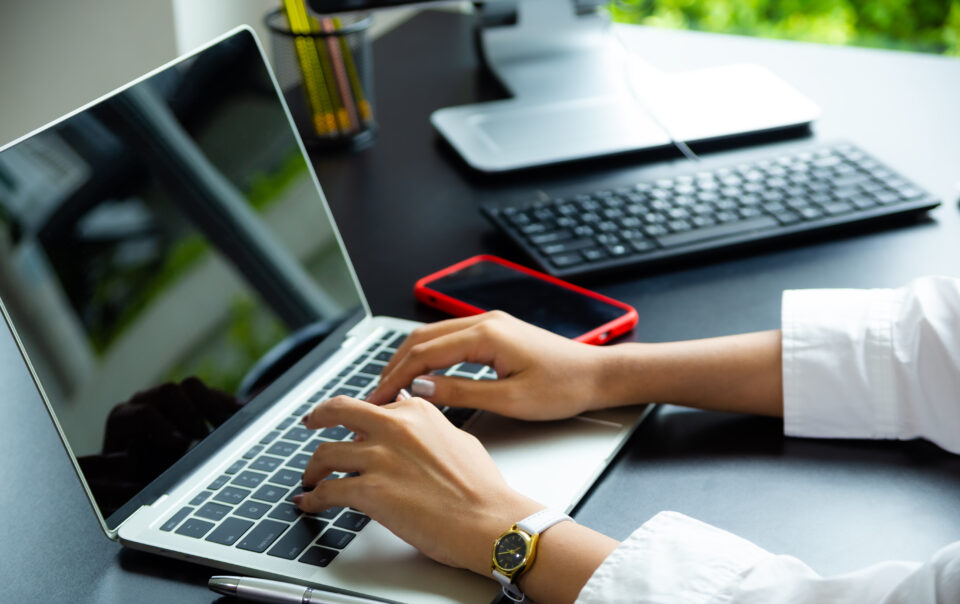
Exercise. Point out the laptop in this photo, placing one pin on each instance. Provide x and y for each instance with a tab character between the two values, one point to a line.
177	285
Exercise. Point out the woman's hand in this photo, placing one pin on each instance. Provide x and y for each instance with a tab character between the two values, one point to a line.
430	483
541	375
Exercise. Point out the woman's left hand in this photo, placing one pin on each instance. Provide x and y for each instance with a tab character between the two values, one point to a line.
430	483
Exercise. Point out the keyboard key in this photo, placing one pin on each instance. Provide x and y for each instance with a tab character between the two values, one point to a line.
200	498
266	463
335	433
302	409
231	495
282	449
723	230
249	480
384	357
263	536
269	438
219	482
271	493
252	509
565	260
329	513
298	434
297	538
319	556
299	461
213	511
336	539
311	446
194	528
253	452
286	477
229	531
176	519
372	368
235	467
359	381
286	512
397	341
471	368
352	520
345	392
286	423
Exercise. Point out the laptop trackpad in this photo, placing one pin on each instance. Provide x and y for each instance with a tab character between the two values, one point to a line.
552	462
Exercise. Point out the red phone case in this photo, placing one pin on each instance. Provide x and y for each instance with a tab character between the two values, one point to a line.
458	308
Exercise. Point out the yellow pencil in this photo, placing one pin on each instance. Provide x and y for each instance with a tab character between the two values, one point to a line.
315	89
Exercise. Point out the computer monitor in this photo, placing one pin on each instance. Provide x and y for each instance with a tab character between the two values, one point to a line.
572	95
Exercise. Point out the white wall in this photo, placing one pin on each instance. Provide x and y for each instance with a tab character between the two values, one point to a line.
56	55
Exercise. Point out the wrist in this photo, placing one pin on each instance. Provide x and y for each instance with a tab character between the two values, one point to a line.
492	522
625	374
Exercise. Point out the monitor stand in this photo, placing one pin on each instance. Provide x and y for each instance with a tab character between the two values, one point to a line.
578	94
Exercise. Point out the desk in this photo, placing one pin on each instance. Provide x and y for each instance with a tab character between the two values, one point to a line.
406	207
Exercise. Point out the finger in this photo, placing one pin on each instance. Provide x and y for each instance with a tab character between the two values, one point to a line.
332	457
464	345
428	332
491	395
358	416
342	492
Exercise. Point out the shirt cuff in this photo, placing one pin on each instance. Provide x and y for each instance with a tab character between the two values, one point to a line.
838	365
673	558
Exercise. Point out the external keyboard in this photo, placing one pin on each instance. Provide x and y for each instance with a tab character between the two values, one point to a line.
800	191
249	506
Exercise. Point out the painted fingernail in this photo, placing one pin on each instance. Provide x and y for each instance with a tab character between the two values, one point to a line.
423	386
305	419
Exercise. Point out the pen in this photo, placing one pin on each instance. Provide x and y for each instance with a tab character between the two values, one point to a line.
278	592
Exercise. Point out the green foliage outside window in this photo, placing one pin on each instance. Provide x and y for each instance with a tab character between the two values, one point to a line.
922	25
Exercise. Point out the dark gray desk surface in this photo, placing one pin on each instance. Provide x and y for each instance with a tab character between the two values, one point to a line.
407	207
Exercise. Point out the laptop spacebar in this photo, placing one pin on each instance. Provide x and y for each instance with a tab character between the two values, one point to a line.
723	230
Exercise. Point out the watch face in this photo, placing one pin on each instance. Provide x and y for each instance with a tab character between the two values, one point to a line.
511	551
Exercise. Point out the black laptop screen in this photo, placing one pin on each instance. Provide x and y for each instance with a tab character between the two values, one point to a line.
164	256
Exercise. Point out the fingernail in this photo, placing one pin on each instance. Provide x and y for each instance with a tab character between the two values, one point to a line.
423	386
297	499
304	419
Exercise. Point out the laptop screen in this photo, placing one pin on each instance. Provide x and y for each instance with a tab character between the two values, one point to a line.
165	255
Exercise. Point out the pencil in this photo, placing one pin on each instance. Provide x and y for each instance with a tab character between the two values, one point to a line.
315	89
363	105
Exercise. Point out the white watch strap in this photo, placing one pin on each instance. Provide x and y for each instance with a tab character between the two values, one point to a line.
541	521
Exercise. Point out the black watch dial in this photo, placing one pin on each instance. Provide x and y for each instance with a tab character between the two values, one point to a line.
511	552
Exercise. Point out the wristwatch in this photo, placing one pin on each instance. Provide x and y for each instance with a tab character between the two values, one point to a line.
515	550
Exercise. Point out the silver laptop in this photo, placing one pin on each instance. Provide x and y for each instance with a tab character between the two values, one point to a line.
177	285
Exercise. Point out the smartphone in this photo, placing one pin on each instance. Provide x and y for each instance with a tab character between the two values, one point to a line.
486	282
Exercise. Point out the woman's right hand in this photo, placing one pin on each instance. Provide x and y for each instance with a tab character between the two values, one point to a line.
541	375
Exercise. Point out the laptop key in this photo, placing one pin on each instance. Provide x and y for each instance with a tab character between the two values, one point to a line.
252	509
311	446
265	463
282	448
299	461
298	434
176	519
219	482
271	493
286	477
231	495
359	381
269	438
297	538
249	479
200	498
329	513
213	511
352	520
372	368
384	357
235	467
335	433
253	452
319	556
336	539
263	536
301	409
345	392
195	528
229	531
286	423
398	341
285	511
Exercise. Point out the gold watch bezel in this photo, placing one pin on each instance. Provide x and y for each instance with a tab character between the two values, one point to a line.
529	540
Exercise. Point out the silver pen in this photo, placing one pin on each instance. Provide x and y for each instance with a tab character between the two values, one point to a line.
278	592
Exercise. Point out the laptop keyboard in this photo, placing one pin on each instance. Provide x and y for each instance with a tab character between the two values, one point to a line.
250	505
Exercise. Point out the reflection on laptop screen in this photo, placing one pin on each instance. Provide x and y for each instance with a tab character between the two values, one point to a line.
153	248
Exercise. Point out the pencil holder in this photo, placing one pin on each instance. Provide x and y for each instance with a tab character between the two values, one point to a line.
324	67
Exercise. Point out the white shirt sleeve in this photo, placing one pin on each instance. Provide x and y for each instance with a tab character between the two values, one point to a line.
856	364
675	559
874	363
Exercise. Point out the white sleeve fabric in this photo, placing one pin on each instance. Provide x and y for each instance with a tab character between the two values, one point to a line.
675	559
874	363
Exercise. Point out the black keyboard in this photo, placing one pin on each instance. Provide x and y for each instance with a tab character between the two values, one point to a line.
249	506
806	189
